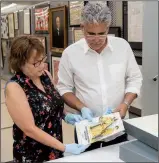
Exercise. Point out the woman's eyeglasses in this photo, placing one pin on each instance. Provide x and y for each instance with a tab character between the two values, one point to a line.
36	64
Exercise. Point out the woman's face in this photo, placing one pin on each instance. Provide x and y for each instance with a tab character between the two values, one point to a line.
34	67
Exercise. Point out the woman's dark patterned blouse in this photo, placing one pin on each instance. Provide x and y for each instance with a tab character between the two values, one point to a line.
47	109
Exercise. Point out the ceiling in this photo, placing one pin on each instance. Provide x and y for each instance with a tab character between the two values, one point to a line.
20	5
4	3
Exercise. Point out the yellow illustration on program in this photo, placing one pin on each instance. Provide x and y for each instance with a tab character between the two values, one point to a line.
100	128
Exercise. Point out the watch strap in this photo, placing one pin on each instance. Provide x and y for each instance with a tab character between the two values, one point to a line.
128	105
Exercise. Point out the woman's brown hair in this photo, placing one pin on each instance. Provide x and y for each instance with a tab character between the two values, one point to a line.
21	49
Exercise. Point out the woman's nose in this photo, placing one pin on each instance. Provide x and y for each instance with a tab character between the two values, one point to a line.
42	65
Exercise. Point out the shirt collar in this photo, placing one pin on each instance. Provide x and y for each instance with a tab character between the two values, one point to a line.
109	45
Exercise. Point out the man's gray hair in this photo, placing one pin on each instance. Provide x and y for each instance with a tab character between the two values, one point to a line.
96	12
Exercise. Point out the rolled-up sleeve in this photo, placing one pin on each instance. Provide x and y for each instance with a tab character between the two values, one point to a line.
65	75
133	74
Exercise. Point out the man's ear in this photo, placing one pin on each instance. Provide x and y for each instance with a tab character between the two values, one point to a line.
107	30
81	25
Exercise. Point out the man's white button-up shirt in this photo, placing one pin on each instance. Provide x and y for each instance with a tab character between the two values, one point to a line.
99	80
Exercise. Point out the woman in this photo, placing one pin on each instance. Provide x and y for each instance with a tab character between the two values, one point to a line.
35	106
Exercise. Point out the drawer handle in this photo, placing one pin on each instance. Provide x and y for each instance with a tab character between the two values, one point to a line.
155	78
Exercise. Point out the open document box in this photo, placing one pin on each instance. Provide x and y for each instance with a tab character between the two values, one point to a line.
100	128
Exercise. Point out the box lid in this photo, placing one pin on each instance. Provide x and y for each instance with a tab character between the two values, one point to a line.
145	129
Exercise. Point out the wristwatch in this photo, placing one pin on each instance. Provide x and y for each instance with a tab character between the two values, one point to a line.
128	105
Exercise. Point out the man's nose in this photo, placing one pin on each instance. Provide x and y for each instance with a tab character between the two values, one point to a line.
96	38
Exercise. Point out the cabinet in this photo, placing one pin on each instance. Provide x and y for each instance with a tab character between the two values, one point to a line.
6	145
6	129
150	58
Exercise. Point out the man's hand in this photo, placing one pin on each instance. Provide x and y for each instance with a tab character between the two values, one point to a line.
109	110
87	113
72	118
122	109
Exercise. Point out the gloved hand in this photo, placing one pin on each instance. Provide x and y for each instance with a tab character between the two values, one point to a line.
87	113
109	110
72	118
75	148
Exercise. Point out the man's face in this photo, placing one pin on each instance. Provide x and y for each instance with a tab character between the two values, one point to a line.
58	22
95	35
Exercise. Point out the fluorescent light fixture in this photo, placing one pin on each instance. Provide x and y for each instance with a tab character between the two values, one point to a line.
9	6
74	1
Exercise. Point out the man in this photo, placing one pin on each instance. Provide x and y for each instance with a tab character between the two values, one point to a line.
58	35
99	71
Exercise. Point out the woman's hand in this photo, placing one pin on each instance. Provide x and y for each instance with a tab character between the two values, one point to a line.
75	148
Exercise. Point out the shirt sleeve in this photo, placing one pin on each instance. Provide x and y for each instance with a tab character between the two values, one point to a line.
65	75
133	74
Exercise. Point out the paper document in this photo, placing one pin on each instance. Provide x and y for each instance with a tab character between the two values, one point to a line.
100	128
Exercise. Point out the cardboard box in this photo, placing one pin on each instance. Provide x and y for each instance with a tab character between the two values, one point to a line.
145	129
137	151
